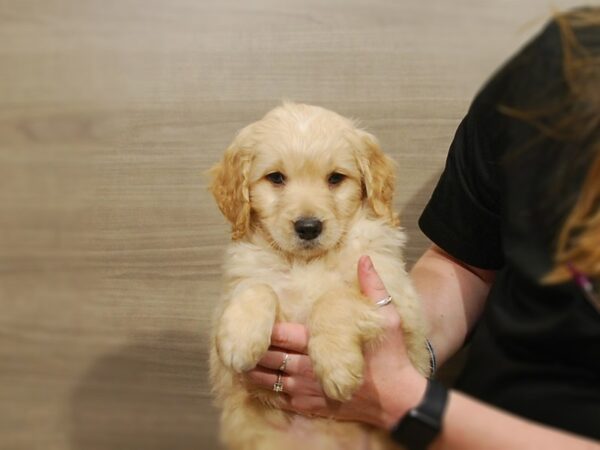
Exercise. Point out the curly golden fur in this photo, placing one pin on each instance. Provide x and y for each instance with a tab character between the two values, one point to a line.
303	161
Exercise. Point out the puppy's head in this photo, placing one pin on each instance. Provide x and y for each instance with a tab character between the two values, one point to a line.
299	176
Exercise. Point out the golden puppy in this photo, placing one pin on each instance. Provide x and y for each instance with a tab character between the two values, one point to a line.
307	193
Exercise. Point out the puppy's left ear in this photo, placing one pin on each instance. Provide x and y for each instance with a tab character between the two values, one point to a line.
230	187
378	176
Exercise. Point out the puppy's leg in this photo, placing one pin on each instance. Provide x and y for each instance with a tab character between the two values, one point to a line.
409	308
340	323
244	330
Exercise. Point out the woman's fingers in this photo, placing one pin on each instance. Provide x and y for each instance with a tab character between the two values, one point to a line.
265	378
372	286
297	376
295	364
370	283
290	336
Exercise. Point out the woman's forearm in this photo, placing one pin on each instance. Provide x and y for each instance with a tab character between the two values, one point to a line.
469	424
453	295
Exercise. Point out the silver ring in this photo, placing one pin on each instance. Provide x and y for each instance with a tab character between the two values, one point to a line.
284	363
278	386
384	301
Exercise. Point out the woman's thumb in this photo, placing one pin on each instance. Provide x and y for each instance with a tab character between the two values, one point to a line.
369	281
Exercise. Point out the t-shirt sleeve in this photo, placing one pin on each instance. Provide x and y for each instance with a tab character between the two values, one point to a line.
462	216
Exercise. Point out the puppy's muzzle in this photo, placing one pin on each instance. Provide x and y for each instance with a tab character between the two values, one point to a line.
308	228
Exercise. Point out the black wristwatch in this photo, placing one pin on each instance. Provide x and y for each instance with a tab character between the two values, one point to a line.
422	424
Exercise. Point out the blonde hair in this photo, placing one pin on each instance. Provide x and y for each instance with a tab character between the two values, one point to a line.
578	122
579	239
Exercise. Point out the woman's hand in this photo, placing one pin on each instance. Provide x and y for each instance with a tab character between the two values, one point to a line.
391	384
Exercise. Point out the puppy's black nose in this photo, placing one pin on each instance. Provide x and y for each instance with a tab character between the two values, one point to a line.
308	228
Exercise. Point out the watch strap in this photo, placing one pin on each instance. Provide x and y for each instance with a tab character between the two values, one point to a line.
422	424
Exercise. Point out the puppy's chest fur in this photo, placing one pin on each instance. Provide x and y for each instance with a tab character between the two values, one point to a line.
298	284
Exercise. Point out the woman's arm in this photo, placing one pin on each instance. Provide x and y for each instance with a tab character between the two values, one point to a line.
469	424
453	296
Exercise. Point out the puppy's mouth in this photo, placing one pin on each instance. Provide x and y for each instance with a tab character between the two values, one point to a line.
309	245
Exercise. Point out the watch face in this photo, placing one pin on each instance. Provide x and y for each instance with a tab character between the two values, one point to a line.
428	422
416	431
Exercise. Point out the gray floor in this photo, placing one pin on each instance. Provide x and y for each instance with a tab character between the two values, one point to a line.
111	112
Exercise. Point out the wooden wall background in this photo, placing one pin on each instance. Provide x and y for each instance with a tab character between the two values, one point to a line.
111	112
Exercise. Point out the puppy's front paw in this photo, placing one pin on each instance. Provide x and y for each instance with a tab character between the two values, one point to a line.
240	347
244	331
338	365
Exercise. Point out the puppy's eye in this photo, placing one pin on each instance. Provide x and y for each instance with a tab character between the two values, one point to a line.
335	178
276	178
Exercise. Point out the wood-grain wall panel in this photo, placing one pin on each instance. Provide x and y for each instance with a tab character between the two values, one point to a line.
111	112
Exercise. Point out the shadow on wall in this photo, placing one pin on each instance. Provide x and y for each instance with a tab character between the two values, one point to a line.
151	395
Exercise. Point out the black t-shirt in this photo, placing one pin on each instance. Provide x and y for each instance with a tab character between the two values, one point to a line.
499	204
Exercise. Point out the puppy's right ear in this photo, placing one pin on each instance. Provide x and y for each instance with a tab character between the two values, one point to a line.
230	187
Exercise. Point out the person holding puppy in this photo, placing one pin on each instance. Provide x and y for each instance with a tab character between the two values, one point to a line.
515	223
